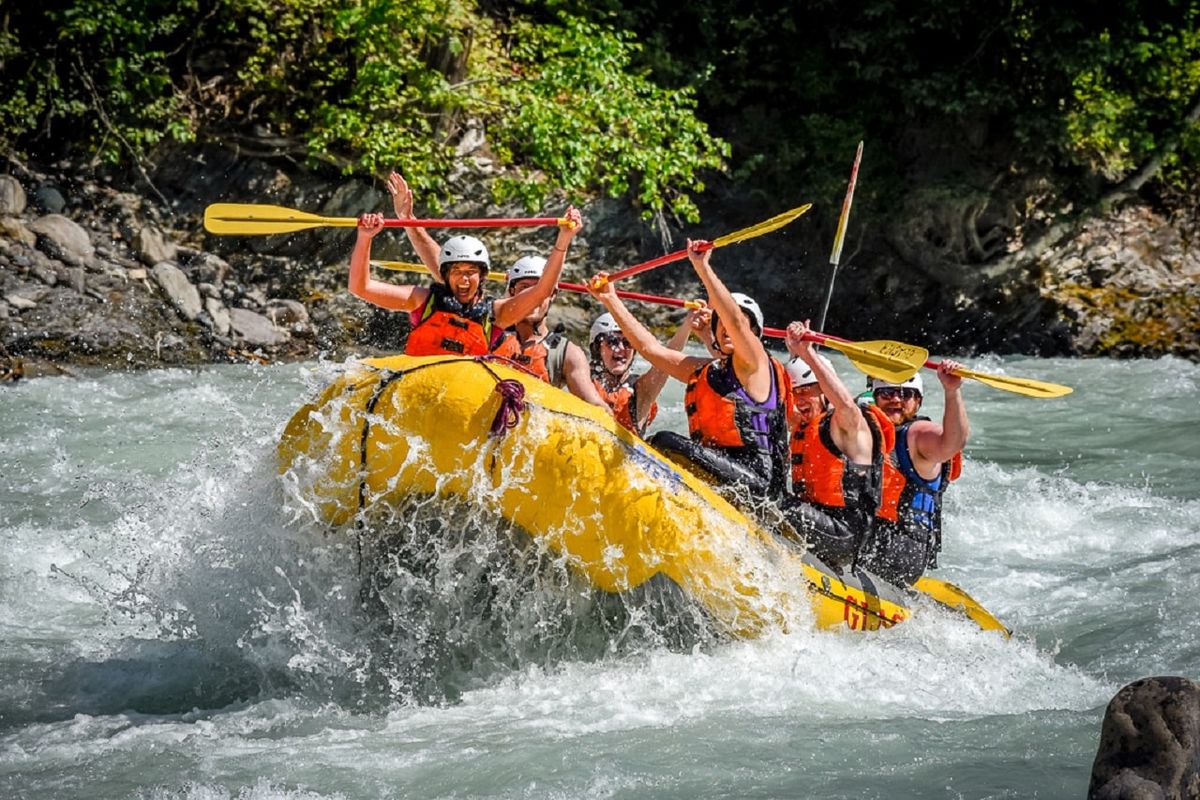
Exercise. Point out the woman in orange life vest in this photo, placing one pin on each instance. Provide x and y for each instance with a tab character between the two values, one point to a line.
837	463
547	354
453	316
632	397
736	404
927	457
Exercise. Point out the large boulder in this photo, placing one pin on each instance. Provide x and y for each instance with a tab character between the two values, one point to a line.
62	238
256	330
152	246
1150	743
183	295
12	196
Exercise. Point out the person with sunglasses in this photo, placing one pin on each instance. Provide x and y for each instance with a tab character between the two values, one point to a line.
736	403
632	397
907	537
838	450
546	353
453	316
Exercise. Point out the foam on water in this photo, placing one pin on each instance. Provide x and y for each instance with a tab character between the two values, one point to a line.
175	627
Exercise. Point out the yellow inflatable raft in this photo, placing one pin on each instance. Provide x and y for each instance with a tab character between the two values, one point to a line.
565	472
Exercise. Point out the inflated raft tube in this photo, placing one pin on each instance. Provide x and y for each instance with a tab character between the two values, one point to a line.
482	431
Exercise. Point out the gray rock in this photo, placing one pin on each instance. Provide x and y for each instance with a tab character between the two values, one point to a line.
64	239
218	314
254	329
286	313
49	199
152	246
19	302
12	196
351	199
179	290
44	273
204	267
15	229
1150	743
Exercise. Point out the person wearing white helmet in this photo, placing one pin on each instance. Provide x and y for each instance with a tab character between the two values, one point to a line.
546	353
632	398
907	535
453	316
737	403
808	400
837	463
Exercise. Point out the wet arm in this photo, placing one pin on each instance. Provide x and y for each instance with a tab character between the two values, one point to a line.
578	374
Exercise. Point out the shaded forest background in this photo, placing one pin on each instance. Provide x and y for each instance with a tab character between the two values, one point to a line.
995	131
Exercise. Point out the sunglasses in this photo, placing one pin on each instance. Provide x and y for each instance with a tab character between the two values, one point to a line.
903	392
459	272
614	340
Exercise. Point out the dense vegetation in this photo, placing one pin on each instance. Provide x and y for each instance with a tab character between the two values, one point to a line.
643	98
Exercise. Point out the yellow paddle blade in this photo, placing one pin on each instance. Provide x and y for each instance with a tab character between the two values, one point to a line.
955	598
766	226
1025	386
404	266
243	219
894	362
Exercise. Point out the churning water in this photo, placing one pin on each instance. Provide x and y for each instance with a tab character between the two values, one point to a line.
173	625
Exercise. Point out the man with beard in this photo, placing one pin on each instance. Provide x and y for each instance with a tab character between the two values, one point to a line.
907	535
547	354
632	397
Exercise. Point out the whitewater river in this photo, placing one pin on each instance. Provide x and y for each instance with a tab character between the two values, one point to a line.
171	626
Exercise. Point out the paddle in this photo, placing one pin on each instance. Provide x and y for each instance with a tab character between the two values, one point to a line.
955	598
894	362
1026	386
242	219
766	226
840	236
401	266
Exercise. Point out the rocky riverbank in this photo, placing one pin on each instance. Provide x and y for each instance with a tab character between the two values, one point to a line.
95	273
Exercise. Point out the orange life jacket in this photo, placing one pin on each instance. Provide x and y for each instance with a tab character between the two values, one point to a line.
543	357
444	326
721	415
623	402
824	476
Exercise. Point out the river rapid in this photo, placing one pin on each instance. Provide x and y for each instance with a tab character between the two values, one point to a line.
172	625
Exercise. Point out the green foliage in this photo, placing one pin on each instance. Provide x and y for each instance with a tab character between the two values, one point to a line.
97	66
1132	95
576	110
371	84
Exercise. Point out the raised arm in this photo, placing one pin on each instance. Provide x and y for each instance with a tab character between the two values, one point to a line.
511	310
422	242
750	360
671	362
651	383
385	295
851	433
933	443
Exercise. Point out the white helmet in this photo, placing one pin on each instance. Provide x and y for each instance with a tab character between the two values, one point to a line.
464	248
746	303
802	374
603	324
526	267
914	382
